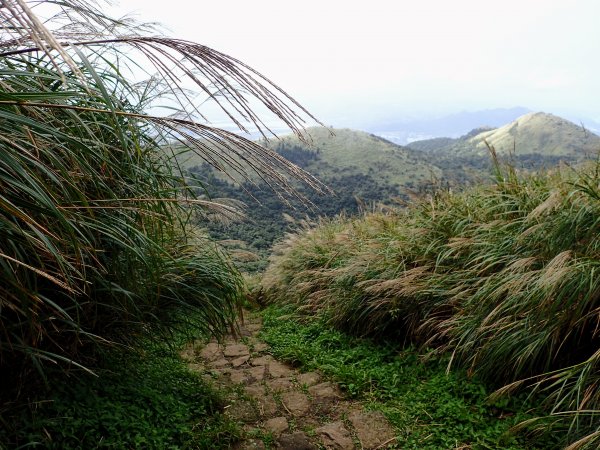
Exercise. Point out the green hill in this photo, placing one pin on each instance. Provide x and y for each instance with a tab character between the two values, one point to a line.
360	168
351	152
332	153
541	134
533	141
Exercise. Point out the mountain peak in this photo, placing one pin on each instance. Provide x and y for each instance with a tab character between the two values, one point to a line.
347	152
541	133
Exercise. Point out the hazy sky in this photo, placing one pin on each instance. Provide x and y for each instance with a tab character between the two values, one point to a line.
341	57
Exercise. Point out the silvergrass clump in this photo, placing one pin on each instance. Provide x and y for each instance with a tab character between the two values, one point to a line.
503	278
95	240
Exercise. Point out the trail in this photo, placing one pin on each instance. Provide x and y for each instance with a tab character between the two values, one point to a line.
278	406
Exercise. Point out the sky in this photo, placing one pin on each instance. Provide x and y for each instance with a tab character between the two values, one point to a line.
347	59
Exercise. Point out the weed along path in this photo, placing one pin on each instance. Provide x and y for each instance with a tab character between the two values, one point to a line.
278	406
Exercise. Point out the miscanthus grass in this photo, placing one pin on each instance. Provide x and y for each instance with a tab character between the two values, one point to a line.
503	278
96	245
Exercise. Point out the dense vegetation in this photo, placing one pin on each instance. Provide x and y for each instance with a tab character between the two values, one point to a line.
267	217
504	278
430	408
360	169
97	246
144	399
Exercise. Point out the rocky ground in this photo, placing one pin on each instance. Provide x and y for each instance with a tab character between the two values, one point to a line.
278	406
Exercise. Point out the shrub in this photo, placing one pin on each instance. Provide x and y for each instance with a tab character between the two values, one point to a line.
94	211
504	278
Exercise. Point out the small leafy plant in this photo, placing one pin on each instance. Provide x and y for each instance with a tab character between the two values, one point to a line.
430	408
145	398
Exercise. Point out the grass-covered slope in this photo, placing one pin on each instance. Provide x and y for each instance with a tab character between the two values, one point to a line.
357	152
359	168
503	278
537	134
330	153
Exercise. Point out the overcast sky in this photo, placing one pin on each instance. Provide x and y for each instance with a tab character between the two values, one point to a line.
432	56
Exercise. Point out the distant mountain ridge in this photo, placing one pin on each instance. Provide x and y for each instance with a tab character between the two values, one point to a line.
359	167
363	168
452	126
535	133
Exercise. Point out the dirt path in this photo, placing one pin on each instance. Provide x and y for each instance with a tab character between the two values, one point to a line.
278	406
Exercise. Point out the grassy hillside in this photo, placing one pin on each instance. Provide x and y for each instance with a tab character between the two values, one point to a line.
533	141
343	151
351	151
359	168
432	145
502	278
541	134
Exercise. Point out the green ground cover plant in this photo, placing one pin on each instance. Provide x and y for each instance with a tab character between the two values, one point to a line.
430	408
503	279
140	398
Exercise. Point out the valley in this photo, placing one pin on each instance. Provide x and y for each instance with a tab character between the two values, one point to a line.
366	171
179	272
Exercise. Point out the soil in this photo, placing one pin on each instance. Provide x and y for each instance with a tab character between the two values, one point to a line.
277	406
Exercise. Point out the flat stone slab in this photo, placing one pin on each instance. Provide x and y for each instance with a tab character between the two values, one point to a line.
295	441
240	377
277	425
372	428
309	378
324	390
253	327
335	436
296	403
224	372
260	347
266	405
211	351
257	373
240	361
244	332
255	390
279	370
280	384
235	350
262	360
219	363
